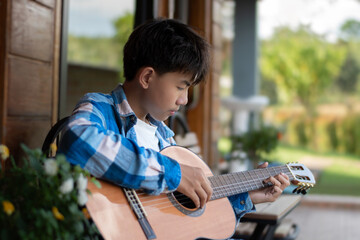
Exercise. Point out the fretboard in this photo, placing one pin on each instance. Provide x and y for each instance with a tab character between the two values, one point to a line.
240	182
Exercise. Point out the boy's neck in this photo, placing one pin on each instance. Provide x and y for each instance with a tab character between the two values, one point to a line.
134	96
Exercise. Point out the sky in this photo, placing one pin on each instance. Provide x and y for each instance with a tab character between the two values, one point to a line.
324	16
94	17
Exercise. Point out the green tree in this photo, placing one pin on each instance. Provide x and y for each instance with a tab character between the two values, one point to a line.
350	30
350	70
348	77
123	27
97	51
301	63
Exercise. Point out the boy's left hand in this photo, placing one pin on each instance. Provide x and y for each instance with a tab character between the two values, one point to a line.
270	194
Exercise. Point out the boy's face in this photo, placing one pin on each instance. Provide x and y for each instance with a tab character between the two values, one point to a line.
166	94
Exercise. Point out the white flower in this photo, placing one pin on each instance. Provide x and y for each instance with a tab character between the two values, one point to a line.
82	197
81	182
51	167
67	186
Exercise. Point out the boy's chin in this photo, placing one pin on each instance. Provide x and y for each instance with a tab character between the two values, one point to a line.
160	118
164	119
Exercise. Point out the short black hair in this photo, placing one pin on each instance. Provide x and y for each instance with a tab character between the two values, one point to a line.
166	45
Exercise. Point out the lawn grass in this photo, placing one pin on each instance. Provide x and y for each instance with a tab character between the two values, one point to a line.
341	177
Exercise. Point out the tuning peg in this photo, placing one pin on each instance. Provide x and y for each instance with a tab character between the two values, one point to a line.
297	190
301	189
304	188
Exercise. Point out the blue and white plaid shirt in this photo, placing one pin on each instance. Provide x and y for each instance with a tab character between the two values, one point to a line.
101	138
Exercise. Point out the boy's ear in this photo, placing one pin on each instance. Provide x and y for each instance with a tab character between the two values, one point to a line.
146	75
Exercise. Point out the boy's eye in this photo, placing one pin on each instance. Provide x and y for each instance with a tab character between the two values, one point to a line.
180	88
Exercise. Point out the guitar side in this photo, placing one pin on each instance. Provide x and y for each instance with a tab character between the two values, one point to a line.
115	219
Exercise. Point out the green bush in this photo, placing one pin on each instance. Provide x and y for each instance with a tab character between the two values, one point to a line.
257	142
325	135
332	135
44	199
298	132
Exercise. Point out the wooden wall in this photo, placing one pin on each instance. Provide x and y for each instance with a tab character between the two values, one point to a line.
29	60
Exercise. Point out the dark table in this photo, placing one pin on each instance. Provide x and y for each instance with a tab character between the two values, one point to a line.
269	216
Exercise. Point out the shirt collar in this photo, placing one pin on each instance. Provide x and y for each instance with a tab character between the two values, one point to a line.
125	111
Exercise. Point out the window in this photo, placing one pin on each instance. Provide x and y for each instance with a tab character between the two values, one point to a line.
96	33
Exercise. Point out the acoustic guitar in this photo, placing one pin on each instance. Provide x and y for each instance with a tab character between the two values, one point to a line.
127	214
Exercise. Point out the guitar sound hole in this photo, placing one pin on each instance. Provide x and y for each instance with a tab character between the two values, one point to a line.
184	200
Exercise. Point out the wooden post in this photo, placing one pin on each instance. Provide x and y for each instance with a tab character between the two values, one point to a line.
200	116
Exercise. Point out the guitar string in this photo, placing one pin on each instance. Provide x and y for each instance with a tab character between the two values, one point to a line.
223	189
181	200
166	204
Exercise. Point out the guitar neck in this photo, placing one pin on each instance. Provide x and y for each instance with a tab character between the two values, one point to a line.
240	182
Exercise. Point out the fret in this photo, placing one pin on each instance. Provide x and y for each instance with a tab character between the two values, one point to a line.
264	177
267	169
215	185
274	171
233	178
229	185
250	180
223	185
259	180
213	181
244	179
240	182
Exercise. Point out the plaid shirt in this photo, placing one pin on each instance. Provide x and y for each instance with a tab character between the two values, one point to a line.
100	137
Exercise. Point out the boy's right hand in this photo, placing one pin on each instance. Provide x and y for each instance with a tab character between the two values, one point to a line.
195	185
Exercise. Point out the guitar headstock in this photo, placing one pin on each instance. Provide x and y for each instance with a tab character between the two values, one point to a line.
302	177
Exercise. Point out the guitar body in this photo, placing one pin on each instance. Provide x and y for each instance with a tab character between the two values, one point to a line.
115	219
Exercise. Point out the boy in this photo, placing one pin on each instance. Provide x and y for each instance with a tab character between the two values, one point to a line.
118	137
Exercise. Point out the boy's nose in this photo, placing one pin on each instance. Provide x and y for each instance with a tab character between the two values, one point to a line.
183	99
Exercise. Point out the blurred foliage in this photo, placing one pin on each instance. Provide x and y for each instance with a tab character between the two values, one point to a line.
323	134
350	70
299	66
350	30
256	142
302	64
44	198
100	51
348	77
124	27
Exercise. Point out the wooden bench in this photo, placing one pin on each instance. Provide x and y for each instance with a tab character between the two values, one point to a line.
269	222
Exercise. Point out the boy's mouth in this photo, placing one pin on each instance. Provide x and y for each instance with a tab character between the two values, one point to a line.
172	112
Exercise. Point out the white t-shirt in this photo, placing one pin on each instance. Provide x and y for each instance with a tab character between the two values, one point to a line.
146	135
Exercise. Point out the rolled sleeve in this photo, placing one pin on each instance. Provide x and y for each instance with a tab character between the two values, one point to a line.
242	204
